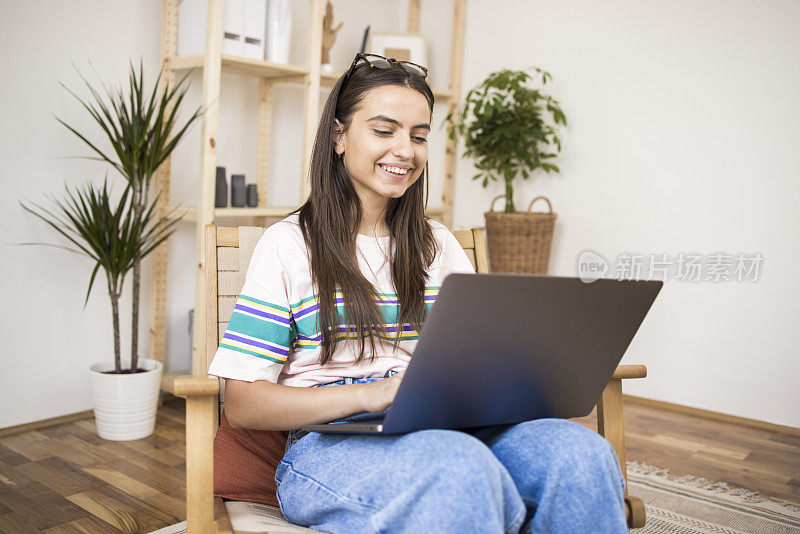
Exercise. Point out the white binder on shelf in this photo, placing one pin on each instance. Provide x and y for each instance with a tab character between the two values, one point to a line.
255	26
233	27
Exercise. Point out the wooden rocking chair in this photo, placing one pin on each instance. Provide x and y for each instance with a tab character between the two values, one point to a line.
228	252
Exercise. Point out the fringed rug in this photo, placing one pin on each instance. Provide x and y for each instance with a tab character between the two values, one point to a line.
690	505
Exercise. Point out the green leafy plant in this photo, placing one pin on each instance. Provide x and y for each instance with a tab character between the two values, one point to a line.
112	236
142	131
509	128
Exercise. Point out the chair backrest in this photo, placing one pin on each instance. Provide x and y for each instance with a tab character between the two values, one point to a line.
228	252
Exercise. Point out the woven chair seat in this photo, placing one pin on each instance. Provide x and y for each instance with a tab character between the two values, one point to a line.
256	517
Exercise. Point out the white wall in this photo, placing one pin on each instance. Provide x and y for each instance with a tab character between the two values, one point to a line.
682	129
679	140
49	341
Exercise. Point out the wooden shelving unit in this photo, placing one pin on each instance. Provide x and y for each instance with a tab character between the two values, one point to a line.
213	63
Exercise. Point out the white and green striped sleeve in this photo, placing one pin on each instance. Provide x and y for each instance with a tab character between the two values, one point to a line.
258	339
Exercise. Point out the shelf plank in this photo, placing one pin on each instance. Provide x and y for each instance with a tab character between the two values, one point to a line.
246	66
280	212
190	213
252	212
276	71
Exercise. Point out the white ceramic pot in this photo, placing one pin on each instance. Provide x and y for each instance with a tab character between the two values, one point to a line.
125	405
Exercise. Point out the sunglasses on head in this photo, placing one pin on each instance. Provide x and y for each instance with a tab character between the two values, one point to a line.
379	62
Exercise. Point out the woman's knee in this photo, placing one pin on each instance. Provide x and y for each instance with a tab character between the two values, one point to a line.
578	450
558	445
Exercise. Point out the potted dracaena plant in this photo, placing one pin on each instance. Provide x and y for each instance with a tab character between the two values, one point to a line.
510	128
114	237
142	130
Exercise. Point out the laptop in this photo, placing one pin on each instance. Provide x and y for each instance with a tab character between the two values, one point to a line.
506	348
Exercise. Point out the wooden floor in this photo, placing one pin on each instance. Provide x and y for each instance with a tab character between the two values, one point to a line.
66	479
758	460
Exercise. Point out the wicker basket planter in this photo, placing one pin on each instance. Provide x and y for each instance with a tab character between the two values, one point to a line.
520	242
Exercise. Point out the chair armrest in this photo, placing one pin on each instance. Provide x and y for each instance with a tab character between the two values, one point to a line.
629	371
200	393
196	386
610	418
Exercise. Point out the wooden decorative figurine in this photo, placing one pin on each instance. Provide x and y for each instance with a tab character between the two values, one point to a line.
328	37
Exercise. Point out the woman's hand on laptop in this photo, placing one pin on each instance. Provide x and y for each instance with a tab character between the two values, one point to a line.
378	396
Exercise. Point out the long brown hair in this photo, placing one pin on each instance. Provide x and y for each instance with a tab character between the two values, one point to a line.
331	216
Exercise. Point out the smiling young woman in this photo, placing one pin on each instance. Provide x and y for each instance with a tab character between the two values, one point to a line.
300	326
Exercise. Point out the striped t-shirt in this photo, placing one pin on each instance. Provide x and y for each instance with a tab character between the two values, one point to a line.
273	333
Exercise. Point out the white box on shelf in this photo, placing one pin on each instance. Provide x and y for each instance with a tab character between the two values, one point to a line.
192	27
255	26
233	27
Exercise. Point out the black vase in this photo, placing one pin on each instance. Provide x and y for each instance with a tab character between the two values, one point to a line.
252	195
221	192
237	190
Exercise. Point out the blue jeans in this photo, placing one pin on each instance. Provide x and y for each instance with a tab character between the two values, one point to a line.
545	475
